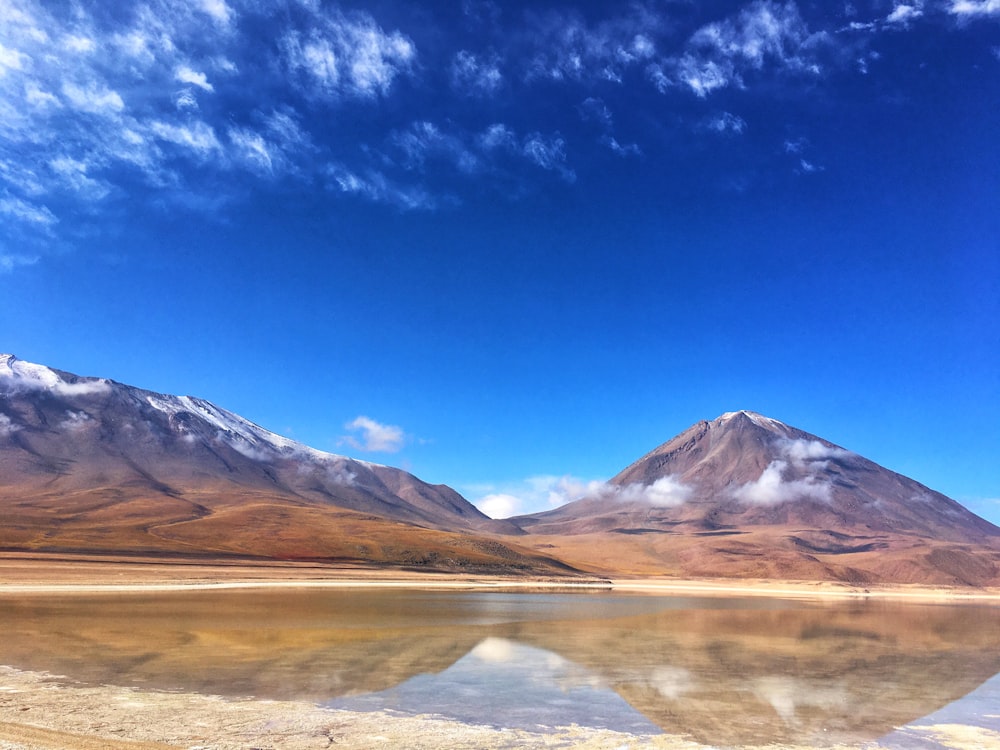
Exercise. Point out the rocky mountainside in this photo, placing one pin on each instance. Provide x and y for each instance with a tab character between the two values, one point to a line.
745	494
94	465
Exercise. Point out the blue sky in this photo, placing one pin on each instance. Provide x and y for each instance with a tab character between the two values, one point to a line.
512	247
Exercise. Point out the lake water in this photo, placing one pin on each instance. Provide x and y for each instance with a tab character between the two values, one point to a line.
720	671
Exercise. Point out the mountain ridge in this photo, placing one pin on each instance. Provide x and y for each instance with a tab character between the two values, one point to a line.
92	465
89	463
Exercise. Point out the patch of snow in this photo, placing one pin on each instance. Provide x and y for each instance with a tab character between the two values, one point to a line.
249	439
758	419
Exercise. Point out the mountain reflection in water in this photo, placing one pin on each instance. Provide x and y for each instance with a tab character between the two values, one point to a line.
719	671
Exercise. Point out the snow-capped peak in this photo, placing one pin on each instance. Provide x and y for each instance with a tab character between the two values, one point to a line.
250	439
18	375
758	419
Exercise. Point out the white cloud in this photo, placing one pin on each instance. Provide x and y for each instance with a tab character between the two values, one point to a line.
727	123
252	147
27	212
79	44
74	176
75	420
772	489
476	76
806	451
805	461
423	140
500	505
11	59
593	109
563	46
545	492
374	436
7	426
975	8
548	152
722	54
95	98
217	9
498	136
184	74
375	186
795	146
631	149
340	55
17	376
903	13
198	137
9	262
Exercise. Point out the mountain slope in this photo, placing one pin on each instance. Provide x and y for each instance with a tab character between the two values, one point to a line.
746	495
94	465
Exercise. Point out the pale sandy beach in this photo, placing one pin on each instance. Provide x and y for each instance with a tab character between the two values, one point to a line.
28	574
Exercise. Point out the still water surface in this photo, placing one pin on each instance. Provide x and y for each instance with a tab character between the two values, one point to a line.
723	672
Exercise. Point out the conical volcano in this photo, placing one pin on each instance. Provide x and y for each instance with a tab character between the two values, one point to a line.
746	495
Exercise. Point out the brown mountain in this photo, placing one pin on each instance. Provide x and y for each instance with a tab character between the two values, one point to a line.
748	496
91	465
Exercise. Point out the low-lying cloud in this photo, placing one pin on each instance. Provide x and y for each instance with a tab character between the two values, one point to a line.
806	460
7	426
20	377
540	493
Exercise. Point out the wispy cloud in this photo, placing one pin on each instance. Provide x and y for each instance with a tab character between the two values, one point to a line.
84	94
797	475
563	46
975	8
903	13
548	152
75	420
476	75
374	437
9	262
425	140
545	492
333	54
374	185
185	74
727	123
723	54
7	426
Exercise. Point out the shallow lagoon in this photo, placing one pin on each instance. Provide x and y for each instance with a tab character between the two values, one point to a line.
720	671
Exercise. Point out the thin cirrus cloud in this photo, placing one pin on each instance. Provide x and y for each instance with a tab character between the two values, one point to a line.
374	437
336	55
725	53
156	91
143	103
476	75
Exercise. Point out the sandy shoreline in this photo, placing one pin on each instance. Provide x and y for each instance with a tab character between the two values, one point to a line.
28	575
39	711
